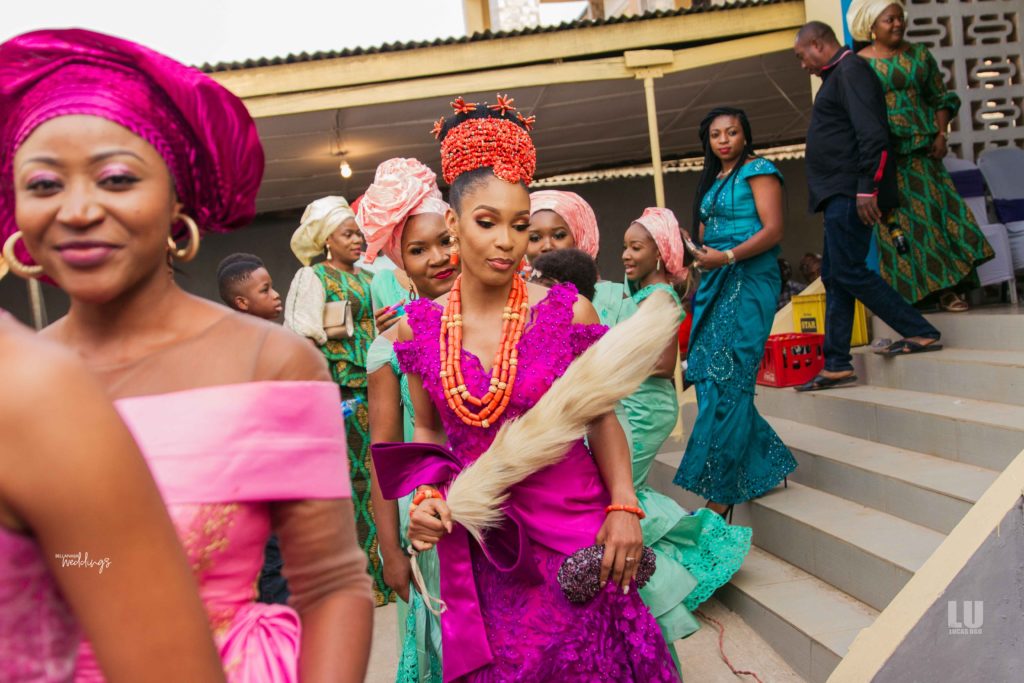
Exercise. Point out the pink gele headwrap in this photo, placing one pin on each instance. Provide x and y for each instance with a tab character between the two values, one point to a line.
576	213
203	132
664	229
401	188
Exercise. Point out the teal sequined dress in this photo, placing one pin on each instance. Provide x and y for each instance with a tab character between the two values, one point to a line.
733	454
696	552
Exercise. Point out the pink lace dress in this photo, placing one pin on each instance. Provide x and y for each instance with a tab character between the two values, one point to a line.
507	618
38	634
220	455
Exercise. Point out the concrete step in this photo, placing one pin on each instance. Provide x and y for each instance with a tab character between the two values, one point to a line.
808	622
923	489
863	552
975	432
992	328
980	374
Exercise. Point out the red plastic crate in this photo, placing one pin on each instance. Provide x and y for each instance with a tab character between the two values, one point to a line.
791	359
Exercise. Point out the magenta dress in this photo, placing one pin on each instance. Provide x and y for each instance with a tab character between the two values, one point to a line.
38	634
507	619
219	456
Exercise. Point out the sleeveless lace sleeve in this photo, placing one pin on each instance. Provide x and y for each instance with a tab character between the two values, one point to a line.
420	354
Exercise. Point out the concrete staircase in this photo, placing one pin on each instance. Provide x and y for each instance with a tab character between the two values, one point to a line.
887	469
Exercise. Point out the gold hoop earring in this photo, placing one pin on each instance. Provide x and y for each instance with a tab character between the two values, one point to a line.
189	251
16	266
873	36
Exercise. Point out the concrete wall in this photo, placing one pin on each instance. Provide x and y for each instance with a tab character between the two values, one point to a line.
995	576
616	202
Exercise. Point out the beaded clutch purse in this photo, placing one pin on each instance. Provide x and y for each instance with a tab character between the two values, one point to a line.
580	573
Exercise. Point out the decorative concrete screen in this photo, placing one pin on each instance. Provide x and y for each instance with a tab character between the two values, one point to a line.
979	48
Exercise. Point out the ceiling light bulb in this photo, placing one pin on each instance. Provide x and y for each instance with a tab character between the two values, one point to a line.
345	169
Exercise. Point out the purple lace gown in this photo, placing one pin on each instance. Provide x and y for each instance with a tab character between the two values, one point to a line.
512	623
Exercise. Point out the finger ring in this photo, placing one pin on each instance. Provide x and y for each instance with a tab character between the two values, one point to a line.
630	559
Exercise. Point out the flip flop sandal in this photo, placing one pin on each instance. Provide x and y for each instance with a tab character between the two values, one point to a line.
953	303
821	383
905	347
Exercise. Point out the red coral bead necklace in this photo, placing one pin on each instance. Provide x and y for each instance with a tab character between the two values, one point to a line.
487	409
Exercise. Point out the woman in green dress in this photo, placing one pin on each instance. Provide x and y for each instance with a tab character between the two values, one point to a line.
402	216
328	224
733	454
696	552
946	244
564	220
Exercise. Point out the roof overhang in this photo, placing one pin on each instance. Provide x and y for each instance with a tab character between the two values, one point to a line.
589	104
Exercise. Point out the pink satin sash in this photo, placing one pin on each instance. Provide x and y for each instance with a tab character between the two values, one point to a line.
560	508
262	644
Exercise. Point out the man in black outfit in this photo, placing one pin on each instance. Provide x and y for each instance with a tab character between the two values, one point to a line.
851	178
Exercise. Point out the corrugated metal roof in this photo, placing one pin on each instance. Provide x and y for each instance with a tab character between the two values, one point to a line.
477	37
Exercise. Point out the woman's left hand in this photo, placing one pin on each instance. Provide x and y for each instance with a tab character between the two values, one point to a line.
939	147
623	543
387	316
709	259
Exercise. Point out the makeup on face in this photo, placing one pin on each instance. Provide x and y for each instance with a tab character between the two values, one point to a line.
548	232
492	231
94	203
640	253
726	138
426	251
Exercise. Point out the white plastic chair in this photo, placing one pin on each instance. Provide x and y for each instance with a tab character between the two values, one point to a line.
1003	168
1001	268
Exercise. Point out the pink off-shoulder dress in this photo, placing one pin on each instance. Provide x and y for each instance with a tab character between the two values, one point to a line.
223	456
38	633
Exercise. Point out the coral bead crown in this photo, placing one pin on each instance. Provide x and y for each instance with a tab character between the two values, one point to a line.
492	136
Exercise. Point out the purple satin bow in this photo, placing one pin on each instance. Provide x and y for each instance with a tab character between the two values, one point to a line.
400	468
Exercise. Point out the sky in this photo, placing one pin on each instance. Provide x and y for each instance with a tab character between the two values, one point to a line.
201	31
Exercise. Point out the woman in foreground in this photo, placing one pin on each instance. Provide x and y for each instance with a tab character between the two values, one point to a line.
115	154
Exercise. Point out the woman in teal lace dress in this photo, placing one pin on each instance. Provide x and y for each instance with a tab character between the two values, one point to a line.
696	552
402	216
733	455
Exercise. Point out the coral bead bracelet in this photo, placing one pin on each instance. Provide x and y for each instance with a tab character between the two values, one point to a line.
626	508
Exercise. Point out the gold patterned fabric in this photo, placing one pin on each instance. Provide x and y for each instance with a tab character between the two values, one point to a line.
946	244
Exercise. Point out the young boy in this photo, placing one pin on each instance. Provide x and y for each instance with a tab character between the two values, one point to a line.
246	286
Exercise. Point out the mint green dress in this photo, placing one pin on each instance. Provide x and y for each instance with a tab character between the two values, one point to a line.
696	552
386	290
419	630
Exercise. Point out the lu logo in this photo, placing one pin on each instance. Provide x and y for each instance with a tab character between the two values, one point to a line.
973	614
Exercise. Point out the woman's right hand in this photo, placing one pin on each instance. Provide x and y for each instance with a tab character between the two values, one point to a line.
428	523
397	572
